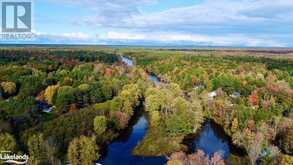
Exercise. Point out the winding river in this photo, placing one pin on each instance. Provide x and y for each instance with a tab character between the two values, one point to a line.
210	139
130	63
120	150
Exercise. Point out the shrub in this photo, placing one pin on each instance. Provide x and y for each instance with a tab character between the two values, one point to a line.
120	119
100	124
65	96
9	88
198	158
154	118
285	140
7	142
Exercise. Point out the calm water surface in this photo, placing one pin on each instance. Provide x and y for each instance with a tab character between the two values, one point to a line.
119	152
210	139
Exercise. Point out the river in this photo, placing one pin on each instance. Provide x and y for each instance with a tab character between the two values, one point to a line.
211	139
151	77
120	150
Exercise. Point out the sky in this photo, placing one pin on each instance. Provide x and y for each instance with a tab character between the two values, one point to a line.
236	23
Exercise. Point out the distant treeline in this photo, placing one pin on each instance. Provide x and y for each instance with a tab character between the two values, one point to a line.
24	55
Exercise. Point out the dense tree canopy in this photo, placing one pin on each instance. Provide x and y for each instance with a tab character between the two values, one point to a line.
248	94
83	151
7	142
62	104
41	151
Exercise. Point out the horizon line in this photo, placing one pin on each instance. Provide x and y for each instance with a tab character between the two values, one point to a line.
138	46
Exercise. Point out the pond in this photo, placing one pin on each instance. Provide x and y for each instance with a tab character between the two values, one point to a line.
211	139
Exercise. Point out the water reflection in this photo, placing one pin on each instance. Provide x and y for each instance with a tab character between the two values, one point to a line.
127	61
154	79
120	151
211	140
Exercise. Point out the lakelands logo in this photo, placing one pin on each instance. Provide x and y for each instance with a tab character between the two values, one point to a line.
16	20
11	158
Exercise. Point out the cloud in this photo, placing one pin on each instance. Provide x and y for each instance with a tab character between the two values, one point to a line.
195	39
125	36
214	14
221	17
218	15
212	23
156	39
66	36
108	12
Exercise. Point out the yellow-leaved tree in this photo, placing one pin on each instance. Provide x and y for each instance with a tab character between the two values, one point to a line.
83	151
49	93
9	87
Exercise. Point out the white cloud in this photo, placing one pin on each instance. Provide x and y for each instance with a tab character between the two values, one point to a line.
108	12
78	36
221	17
157	38
212	22
196	39
125	36
218	13
207	12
